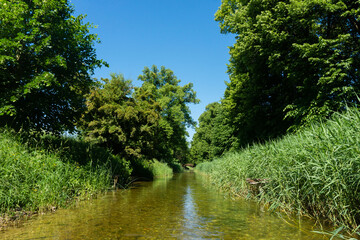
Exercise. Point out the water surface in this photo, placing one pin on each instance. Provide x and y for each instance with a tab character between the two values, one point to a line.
182	207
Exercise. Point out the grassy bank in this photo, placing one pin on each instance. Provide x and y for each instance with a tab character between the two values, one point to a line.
314	172
44	172
148	170
160	169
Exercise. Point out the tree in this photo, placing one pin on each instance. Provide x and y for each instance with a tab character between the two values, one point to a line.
213	135
121	119
175	113
144	122
293	62
46	59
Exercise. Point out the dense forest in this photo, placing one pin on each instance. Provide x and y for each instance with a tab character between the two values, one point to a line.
293	63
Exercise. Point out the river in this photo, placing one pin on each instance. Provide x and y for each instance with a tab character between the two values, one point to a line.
183	207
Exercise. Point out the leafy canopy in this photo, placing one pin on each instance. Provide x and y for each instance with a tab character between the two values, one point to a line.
121	119
213	135
175	113
293	62
46	58
144	122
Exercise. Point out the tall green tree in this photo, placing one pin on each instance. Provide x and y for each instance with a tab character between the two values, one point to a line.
122	119
175	113
293	62
46	59
213	135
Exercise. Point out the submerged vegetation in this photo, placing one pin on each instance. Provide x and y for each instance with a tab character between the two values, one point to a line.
314	172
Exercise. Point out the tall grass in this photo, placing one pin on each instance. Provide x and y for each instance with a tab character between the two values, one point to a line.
313	172
160	169
150	169
37	177
75	151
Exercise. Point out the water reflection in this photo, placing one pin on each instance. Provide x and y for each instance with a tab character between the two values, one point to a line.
183	207
191	220
194	225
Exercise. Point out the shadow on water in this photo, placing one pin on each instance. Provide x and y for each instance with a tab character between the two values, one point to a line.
182	207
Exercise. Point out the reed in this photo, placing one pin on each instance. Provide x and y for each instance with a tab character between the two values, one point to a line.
160	169
313	172
144	169
35	176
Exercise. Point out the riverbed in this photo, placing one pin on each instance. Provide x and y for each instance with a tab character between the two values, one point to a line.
185	206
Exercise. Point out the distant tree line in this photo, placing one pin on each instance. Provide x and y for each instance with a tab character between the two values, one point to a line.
294	62
47	58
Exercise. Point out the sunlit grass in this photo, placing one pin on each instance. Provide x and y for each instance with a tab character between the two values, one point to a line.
36	177
313	172
160	169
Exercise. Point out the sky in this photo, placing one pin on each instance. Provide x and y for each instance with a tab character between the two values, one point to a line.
181	35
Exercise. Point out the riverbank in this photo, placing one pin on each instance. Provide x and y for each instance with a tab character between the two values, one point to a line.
184	206
43	173
314	172
40	173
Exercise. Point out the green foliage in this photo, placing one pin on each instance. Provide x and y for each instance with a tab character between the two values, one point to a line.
150	169
313	172
293	62
78	152
50	172
176	167
160	169
144	122
121	119
206	167
175	113
213	135
46	58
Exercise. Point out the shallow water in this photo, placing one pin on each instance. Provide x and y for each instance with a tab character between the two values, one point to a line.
182	207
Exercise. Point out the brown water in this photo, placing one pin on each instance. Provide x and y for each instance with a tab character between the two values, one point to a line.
183	207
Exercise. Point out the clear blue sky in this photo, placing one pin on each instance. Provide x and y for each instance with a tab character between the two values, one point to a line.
181	35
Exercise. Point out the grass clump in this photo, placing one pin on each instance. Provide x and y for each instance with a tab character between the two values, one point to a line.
160	169
40	173
176	167
313	172
150	169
